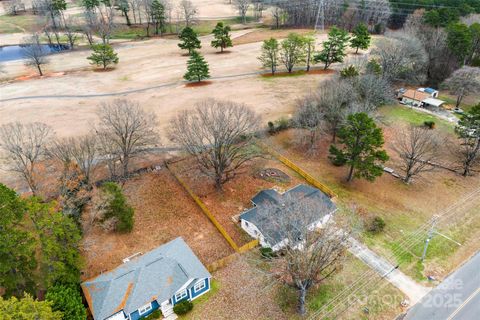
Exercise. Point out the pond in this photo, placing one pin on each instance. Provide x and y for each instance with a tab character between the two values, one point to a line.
11	53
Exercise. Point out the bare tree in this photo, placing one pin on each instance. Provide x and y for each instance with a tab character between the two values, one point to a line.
79	150
127	129
372	91
12	7
219	135
440	63
402	57
69	30
309	117
463	82
418	148
24	146
35	54
312	251
188	11
242	7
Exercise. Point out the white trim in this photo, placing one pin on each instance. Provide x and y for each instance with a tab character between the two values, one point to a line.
145	308
200	283
209	288
182	294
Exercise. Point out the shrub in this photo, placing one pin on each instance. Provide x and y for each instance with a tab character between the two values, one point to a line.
282	124
118	208
377	224
183	307
271	127
157	314
430	124
349	72
267	253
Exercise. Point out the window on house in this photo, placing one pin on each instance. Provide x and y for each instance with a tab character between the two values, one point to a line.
179	296
145	309
199	286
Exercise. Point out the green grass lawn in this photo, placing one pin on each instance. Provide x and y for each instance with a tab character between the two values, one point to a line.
20	23
369	296
400	113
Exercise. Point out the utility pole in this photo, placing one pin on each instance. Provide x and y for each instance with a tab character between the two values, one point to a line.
320	15
430	236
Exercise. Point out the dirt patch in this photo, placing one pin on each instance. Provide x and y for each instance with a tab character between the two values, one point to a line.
272	175
264	34
223	52
163	212
298	73
198	84
242	294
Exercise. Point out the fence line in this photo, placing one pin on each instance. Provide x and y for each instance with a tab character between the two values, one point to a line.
298	170
220	263
205	210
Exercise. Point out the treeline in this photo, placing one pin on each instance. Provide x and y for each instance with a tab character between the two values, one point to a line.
446	11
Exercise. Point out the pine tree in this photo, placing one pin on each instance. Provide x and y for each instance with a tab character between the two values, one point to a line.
221	36
17	246
118	207
361	38
362	148
269	56
27	308
334	48
189	40
197	68
103	55
158	16
67	299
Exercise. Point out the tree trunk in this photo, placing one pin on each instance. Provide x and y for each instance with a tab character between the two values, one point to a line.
356	51
127	18
301	300
39	70
350	174
459	99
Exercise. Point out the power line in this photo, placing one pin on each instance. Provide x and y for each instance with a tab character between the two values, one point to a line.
415	237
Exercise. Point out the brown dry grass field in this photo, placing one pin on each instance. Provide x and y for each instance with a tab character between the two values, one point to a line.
403	207
163	212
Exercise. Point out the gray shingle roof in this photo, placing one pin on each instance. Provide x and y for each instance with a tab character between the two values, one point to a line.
156	275
269	196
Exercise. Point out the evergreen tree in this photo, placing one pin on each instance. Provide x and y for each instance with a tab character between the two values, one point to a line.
361	38
459	41
17	246
221	36
197	68
103	55
362	148
334	48
58	244
118	207
349	72
468	130
158	16
27	309
67	299
189	40
124	7
269	56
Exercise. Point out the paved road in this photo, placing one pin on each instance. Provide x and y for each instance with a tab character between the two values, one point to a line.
456	298
413	290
